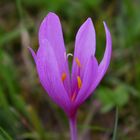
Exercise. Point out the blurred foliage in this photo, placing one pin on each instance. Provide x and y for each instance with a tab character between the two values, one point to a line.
4	135
110	100
25	112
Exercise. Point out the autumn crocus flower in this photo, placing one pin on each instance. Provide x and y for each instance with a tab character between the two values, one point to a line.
67	90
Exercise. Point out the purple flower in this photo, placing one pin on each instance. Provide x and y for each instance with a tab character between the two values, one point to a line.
67	90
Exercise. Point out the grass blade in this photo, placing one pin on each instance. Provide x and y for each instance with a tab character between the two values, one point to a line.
4	135
115	125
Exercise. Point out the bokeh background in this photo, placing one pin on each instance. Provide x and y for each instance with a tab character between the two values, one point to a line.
26	112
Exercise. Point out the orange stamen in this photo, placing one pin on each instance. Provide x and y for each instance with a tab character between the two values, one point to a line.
63	77
78	62
79	81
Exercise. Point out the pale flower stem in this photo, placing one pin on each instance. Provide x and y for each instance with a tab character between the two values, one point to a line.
73	128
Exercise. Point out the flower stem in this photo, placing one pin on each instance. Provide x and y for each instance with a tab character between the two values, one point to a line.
73	128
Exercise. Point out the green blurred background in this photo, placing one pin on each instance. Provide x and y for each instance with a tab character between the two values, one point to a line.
26	112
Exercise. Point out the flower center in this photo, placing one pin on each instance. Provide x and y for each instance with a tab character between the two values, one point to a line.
73	96
78	62
63	77
79	82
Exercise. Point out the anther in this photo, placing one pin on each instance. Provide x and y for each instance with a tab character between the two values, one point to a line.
78	62
79	81
73	96
63	77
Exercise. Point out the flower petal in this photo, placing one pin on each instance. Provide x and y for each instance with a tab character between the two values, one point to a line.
103	66
50	77
51	30
89	78
84	48
100	70
85	44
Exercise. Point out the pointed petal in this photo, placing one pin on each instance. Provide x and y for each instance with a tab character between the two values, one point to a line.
51	30
49	76
107	55
101	70
103	66
85	40
84	47
89	78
